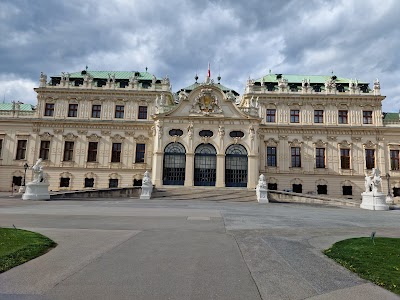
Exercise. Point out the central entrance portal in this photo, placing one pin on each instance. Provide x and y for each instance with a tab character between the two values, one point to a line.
205	165
174	164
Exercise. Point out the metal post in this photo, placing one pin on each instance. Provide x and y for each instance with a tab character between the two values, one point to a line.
26	166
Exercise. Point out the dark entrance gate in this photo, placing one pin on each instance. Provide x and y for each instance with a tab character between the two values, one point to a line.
205	165
236	166
174	164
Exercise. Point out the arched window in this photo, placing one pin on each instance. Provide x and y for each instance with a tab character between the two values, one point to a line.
174	164
236	166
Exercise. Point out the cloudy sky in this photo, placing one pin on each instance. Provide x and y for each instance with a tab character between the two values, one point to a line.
241	39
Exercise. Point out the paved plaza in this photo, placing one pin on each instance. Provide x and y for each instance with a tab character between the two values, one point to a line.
175	249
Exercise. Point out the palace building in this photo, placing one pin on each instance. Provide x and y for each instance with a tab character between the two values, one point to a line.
100	129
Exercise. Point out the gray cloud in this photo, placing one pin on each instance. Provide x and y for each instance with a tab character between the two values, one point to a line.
240	39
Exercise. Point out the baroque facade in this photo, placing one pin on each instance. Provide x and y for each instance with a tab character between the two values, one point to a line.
308	134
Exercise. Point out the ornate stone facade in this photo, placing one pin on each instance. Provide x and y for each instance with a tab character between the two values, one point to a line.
311	134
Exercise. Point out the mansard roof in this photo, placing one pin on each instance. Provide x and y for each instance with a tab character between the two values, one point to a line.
22	107
105	74
223	88
293	78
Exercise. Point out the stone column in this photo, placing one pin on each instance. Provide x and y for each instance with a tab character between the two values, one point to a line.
252	171
189	169
220	182
157	170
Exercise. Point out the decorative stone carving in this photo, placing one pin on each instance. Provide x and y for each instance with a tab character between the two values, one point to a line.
282	85
305	85
42	80
70	136
272	142
105	132
82	131
221	131
206	103
369	144
46	136
261	190
295	143
141	138
38	188
93	137
373	199
320	144
377	87
117	138
190	130
230	96
147	187
252	132
344	144
330	85
183	96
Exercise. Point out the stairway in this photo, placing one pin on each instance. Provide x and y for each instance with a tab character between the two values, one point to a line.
205	194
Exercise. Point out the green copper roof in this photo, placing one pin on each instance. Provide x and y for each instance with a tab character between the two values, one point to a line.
22	107
218	85
118	74
298	78
391	117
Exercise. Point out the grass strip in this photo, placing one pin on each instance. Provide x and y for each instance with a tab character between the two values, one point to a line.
18	246
379	262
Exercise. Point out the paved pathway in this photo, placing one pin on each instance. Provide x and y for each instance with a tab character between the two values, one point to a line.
166	249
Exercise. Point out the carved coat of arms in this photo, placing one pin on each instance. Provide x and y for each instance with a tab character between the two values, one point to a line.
206	103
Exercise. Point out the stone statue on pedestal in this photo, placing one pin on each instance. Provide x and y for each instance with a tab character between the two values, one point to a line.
38	188
147	186
261	190
372	199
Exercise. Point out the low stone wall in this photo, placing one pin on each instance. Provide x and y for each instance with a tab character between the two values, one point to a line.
280	196
133	191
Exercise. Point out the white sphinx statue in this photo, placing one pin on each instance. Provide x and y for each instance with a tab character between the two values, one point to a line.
147	186
372	198
261	190
38	188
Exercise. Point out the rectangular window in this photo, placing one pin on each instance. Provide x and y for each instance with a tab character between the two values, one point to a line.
322	189
21	149
273	186
49	109
64	182
116	152
271	113
271	156
345	159
44	150
394	159
113	183
367	117
347	190
370	158
68	151
92	152
142	112
296	157
342	117
119	111
89	182
73	110
96	111
297	188
320	158
318	116
294	116
140	152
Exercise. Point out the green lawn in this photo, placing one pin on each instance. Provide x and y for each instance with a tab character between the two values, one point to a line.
18	246
379	263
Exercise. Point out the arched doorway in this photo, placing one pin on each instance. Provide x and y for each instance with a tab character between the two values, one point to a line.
236	166
205	165
174	164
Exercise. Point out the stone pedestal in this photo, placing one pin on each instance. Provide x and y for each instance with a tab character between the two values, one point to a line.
146	192
389	200
262	195
374	201
36	191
